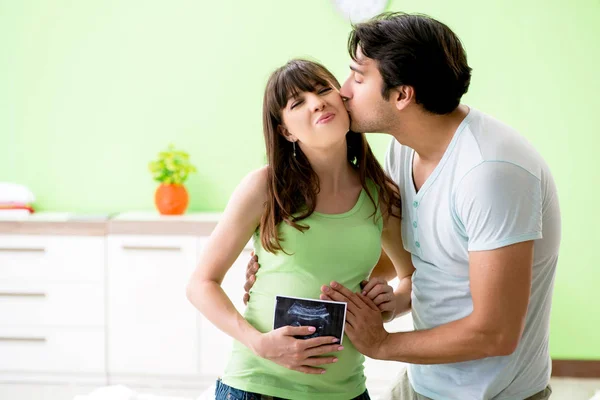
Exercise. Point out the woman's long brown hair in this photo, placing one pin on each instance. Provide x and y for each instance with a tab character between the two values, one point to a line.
292	184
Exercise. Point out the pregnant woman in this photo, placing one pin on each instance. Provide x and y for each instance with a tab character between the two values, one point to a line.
321	210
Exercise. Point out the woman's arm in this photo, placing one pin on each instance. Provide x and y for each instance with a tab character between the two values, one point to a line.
238	223
391	242
384	268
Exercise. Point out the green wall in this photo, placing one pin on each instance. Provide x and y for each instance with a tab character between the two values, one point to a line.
90	91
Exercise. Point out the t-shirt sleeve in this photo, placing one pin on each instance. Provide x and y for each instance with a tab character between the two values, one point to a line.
499	204
391	158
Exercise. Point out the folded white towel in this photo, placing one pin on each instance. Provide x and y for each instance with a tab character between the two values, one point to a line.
15	193
12	215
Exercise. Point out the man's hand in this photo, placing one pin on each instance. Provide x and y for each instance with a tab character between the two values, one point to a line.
303	355
364	323
251	270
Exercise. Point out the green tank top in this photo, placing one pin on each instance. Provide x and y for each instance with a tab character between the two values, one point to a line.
342	247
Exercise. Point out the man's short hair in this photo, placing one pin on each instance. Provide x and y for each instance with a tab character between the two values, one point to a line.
418	51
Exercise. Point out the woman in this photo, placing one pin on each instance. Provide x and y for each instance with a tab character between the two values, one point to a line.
319	211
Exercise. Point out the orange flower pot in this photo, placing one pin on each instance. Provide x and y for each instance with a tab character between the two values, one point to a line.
171	199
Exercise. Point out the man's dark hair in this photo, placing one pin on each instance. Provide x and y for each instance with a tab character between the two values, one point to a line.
418	51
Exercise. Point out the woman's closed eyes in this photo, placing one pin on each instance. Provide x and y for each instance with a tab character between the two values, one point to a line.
300	100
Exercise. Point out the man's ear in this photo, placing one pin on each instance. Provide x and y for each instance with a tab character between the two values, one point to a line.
402	96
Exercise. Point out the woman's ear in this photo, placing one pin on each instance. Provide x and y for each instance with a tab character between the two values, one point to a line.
286	134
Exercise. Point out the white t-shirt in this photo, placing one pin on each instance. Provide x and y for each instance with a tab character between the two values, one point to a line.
490	189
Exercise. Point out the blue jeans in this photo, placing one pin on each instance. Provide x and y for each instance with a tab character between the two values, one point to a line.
224	392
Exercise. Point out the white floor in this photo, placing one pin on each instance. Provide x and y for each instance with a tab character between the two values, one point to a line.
563	389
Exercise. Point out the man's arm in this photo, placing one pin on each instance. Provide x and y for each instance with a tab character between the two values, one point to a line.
500	287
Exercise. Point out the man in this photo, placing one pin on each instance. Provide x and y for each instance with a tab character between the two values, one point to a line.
480	217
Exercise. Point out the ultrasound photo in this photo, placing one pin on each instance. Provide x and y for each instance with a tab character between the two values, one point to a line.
327	317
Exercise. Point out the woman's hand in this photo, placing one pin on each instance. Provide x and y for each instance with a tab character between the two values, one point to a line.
382	294
303	355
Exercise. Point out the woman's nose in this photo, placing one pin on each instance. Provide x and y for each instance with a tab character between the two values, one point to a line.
318	104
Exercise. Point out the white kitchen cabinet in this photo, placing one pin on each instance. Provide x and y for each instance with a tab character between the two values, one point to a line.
111	307
52	307
152	327
108	307
68	351
51	304
52	258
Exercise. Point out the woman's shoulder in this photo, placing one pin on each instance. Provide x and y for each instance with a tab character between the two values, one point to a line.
248	200
254	184
258	177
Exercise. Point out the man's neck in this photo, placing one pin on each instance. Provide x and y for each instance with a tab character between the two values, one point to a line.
429	134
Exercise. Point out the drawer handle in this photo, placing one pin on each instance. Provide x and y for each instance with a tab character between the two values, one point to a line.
22	339
152	248
23	249
22	294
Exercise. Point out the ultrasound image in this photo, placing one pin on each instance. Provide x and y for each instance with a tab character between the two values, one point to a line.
326	317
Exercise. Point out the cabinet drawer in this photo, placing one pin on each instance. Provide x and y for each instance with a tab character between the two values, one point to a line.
152	325
51	350
51	304
52	258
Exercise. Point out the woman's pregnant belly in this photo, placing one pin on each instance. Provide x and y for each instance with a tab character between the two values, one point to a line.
261	309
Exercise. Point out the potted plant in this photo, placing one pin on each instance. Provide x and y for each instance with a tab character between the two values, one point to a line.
171	170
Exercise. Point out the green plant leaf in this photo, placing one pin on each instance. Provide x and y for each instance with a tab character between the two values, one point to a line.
171	166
